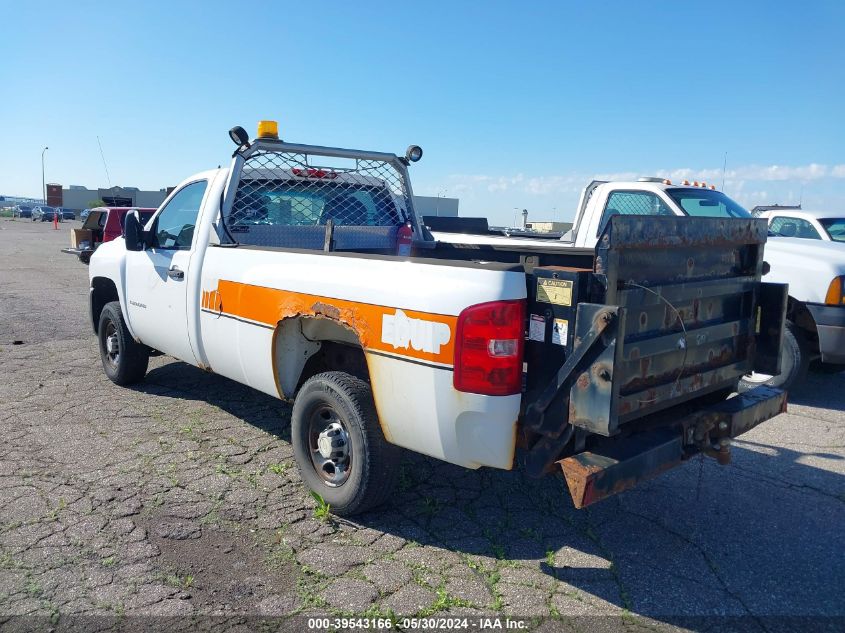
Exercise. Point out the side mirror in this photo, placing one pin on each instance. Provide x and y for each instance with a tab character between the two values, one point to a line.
133	233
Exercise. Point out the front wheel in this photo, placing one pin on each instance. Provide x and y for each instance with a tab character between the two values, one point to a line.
124	360
793	363
339	446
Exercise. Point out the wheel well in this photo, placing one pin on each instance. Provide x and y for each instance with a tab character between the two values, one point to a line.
306	346
103	291
798	313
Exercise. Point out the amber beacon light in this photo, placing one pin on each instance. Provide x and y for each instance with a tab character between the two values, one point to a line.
268	129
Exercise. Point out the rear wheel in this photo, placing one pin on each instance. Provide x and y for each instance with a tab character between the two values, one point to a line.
793	363
124	360
338	443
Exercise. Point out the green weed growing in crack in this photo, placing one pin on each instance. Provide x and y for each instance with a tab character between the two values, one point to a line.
281	555
7	562
33	588
54	614
179	582
444	601
323	510
495	546
530	533
550	558
278	469
430	506
109	562
223	469
252	478
309	595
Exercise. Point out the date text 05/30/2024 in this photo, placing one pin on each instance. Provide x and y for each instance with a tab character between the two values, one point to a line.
421	624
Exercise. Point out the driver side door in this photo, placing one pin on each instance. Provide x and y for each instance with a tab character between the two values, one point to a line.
156	278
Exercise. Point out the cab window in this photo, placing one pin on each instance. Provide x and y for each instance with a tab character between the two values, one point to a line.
793	227
632	203
174	226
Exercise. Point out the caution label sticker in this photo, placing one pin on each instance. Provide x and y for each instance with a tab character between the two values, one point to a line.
556	291
560	331
537	328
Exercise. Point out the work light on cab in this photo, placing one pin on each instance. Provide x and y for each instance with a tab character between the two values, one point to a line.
239	136
413	153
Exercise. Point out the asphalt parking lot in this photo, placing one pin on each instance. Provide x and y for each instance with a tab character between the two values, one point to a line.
180	497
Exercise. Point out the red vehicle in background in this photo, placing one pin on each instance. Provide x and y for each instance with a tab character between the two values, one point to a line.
103	224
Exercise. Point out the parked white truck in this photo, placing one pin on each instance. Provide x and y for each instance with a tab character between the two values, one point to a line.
304	272
805	250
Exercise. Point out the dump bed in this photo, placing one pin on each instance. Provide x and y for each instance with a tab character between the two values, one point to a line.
673	312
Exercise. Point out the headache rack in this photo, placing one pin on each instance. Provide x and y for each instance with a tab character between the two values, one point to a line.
322	198
673	313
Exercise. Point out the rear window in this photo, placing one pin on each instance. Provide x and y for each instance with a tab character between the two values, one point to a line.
707	203
295	213
311	202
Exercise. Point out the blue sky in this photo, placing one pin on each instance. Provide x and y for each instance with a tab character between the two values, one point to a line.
515	104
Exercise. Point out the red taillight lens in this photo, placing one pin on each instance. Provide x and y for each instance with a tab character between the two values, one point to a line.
488	348
404	238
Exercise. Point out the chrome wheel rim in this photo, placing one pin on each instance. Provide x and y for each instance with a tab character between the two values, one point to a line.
329	446
112	344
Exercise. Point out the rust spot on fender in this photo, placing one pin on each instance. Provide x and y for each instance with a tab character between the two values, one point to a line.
324	309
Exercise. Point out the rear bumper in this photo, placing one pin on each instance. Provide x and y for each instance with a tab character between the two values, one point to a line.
830	324
620	464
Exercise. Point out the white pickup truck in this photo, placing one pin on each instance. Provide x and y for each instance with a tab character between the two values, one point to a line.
304	272
805	250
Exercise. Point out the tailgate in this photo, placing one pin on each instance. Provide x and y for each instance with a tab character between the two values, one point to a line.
672	311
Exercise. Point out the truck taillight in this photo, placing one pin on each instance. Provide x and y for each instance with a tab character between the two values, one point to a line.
488	348
404	236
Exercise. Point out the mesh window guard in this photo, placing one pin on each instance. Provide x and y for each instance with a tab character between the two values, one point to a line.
286	198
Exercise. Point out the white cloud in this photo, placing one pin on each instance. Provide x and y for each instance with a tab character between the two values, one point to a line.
765	173
555	195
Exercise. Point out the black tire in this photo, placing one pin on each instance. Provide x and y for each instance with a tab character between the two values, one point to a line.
795	359
126	363
337	409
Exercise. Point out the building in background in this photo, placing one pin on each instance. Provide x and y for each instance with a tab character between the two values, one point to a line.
544	226
435	205
79	197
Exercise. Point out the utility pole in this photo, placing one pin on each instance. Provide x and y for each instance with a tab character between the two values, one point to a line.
43	184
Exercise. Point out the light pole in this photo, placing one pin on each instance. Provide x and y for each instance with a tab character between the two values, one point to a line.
43	185
440	194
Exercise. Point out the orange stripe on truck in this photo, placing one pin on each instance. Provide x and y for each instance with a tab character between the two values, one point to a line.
419	335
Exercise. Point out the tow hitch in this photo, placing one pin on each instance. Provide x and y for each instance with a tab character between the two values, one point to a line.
619	464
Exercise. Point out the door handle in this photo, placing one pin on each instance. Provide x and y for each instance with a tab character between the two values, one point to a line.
176	273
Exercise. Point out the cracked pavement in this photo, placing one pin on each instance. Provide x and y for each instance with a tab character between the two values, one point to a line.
180	497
